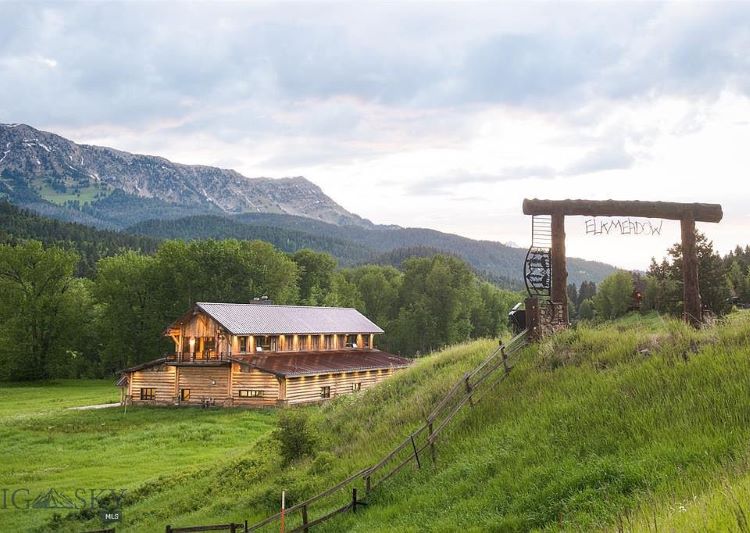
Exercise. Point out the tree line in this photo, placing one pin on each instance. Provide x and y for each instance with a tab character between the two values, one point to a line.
724	282
55	323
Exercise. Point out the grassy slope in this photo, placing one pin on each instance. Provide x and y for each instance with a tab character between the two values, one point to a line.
590	432
46	446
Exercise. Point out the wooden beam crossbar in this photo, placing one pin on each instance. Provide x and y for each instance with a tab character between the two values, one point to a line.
613	208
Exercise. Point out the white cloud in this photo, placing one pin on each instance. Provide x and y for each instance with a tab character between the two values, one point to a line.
440	115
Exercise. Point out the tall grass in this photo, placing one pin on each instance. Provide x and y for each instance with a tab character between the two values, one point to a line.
616	426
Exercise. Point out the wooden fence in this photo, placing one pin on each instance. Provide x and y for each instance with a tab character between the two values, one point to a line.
345	496
231	527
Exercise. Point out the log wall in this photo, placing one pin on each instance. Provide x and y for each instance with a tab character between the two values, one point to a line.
204	383
254	380
161	378
307	388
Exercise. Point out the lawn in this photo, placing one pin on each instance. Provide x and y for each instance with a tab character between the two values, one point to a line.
74	452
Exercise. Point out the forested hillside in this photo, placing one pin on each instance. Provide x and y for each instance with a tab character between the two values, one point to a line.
356	244
91	244
288	239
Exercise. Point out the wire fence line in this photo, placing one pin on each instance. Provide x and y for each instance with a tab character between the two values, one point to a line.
352	492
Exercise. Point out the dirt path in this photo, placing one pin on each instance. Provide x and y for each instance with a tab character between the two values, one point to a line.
99	406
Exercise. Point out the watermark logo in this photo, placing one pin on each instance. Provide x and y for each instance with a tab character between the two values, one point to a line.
109	517
54	499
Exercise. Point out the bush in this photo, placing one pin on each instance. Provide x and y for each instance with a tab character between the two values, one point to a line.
615	295
586	311
295	436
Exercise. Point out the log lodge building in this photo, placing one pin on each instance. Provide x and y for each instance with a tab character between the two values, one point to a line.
259	354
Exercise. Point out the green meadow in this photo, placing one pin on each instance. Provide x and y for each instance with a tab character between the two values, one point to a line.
45	446
642	424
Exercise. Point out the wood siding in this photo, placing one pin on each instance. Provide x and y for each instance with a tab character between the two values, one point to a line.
204	383
254	380
223	385
160	378
308	388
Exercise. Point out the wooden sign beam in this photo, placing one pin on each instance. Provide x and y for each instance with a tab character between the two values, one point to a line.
615	208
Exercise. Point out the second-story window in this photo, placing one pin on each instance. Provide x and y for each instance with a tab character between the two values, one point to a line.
365	341
328	342
351	341
242	344
268	343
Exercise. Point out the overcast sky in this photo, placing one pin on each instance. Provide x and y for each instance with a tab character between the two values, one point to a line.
439	115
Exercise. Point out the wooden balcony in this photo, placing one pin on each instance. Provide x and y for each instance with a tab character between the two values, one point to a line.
208	357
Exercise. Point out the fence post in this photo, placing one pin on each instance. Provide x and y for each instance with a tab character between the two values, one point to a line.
468	390
232	528
416	455
168	529
354	500
304	519
367	485
245	526
432	442
505	360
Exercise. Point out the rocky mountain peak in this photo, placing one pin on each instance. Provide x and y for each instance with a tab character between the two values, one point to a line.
41	168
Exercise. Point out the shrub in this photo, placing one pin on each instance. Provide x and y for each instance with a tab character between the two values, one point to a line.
295	437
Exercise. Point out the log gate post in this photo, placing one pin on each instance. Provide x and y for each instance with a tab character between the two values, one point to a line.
559	292
690	289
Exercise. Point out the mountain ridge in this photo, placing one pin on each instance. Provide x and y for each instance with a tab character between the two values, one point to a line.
39	167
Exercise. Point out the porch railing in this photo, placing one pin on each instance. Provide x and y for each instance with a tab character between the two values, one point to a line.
208	356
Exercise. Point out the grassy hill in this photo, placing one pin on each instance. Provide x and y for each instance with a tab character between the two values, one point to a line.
634	425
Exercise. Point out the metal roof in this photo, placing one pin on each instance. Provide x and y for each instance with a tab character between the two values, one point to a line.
323	362
268	319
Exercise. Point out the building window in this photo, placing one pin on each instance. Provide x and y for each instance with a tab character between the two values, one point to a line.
365	341
147	393
328	342
351	341
356	386
288	343
184	395
315	342
266	344
251	393
325	392
242	344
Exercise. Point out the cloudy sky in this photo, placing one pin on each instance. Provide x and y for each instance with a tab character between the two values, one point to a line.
440	115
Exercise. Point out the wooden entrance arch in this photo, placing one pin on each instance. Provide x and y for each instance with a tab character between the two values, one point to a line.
687	214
